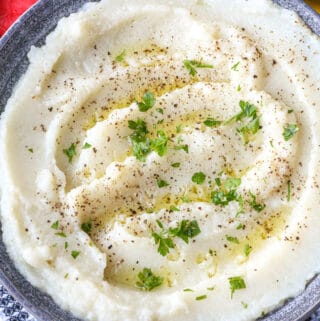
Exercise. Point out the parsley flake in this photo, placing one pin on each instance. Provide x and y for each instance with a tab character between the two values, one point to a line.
257	207
236	283
186	229
147	280
159	144
235	66
174	208
188	290
232	239
55	225
289	131
288	191
147	103
182	147
61	234
86	227
161	183
175	165
247	249
226	192
201	297
191	66
70	152
30	150
75	254
86	146
198	178
160	110
211	122
121	56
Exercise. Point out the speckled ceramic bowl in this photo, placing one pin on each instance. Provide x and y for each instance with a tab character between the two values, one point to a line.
32	29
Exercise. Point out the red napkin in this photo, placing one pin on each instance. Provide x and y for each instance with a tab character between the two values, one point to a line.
10	10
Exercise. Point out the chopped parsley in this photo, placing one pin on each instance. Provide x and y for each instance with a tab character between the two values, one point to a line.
55	225
185	230
30	150
160	110
86	227
244	304
61	234
163	240
191	66
235	66
66	245
249	118
174	208
232	239
290	111
86	146
182	147
288	191
198	178
161	183
211	122
142	145
256	206
175	165
201	297
147	280
289	131
147	103
247	249
70	152
121	56
240	226
75	254
236	283
159	144
239	88
188	290
179	128
226	192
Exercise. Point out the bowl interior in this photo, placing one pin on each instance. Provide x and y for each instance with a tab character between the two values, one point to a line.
32	29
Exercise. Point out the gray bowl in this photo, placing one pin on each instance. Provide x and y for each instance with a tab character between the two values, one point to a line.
31	29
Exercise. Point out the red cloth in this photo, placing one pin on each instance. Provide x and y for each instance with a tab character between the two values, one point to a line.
10	10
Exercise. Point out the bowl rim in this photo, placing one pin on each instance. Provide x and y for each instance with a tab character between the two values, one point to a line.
11	278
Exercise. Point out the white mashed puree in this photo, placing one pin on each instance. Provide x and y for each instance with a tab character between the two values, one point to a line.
160	161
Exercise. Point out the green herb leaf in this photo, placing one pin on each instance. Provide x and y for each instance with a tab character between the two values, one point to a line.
232	183
236	283
223	198
147	280
240	226
232	239
247	249
175	165
182	147
66	245
75	254
86	227
288	191
257	207
245	305
86	146
188	290
70	152
121	56
289	131
201	297
147	103
191	66
235	66
186	229
198	178
211	122
179	128
159	144
160	110
164	242
161	183
55	225
174	208
61	234
30	150
239	88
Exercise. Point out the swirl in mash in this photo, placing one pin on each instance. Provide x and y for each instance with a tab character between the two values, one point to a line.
168	147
